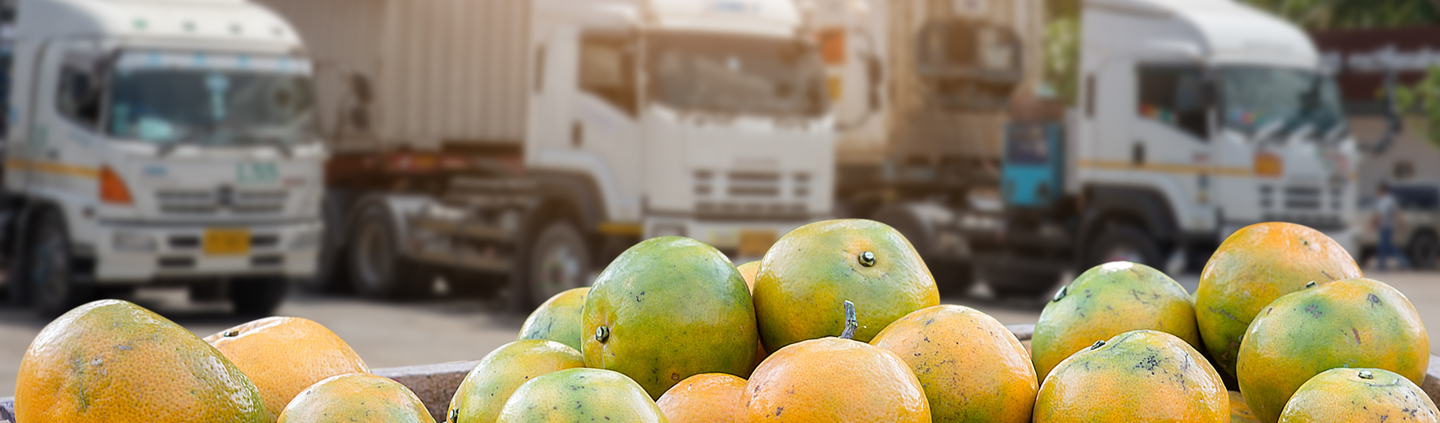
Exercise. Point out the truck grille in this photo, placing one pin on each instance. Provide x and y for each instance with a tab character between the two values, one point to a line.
751	194
209	202
1302	198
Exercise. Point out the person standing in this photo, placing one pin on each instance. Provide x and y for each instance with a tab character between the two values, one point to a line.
1387	217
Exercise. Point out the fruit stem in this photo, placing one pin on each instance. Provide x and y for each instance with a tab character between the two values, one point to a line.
851	323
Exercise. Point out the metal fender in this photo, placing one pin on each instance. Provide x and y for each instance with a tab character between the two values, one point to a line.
1150	206
399	207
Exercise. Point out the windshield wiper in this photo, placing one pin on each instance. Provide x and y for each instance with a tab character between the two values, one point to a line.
282	146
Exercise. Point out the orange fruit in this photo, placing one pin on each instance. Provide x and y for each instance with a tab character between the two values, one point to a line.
558	319
971	367
1108	300
113	361
1253	267
1353	323
1138	376
711	397
669	308
356	398
575	395
486	388
285	355
811	271
833	380
1239	411
1359	395
748	271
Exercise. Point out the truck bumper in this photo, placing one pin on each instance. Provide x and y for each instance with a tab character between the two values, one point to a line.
742	240
124	256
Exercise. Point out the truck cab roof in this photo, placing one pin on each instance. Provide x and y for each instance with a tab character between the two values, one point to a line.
238	24
774	18
1213	31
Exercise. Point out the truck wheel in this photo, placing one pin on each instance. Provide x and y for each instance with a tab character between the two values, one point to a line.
1123	243
377	270
1424	250
258	297
49	268
330	269
559	260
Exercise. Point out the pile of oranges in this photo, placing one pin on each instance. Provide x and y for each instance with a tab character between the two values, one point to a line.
839	322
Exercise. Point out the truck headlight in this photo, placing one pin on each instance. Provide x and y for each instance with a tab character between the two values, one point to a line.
133	241
306	240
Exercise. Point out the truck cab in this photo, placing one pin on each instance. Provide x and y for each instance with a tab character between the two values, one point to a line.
159	143
1200	117
706	119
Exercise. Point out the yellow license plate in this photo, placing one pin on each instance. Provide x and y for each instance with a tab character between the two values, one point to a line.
226	242
756	243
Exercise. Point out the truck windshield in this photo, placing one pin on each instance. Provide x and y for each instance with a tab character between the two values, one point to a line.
210	100
729	74
1282	100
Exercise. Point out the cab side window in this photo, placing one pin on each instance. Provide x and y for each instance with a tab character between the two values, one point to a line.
607	70
1174	95
79	96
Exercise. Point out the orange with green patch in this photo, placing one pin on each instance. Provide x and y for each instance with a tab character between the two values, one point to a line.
1108	300
576	395
667	309
1139	376
558	319
114	361
1359	395
486	388
833	380
356	398
808	273
1352	323
971	367
1253	267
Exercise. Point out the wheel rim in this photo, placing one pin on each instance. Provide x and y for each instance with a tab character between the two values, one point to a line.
560	266
1426	252
374	256
48	276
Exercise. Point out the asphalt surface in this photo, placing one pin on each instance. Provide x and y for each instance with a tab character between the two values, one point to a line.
453	329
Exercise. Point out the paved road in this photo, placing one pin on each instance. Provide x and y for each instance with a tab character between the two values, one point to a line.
391	334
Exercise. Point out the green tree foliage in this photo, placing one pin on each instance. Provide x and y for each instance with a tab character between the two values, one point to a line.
1423	98
1352	14
1062	48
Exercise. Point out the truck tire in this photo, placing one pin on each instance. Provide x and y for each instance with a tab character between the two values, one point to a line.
1424	250
258	297
49	269
1123	243
377	270
331	269
559	259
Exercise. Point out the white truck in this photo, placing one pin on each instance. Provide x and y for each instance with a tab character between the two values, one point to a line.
1195	118
158	142
521	144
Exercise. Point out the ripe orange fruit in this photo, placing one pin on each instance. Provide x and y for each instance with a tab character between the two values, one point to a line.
971	367
667	309
1239	411
575	395
711	397
1138	376
558	319
808	273
356	398
285	355
1253	267
1353	323
1108	300
113	361
1359	395
833	380
486	388
748	271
